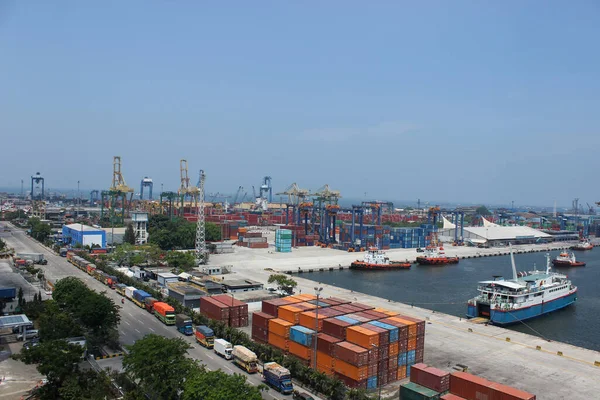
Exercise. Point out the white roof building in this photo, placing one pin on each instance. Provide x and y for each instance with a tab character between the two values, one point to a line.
497	233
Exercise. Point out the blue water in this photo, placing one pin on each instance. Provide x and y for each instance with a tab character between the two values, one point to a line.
447	289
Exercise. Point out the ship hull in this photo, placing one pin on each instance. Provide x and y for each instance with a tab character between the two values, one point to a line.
379	267
558	263
437	261
499	317
582	248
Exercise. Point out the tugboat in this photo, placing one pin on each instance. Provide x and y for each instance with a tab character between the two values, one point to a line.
583	244
376	259
567	260
527	295
434	255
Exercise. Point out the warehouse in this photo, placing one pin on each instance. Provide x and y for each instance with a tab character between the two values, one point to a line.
239	285
186	294
496	235
83	235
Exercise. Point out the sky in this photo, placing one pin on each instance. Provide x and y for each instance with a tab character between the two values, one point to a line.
463	101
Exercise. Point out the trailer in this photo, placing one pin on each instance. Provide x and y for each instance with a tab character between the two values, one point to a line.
245	359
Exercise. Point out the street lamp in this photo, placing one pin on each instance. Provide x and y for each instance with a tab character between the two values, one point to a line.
378	369
318	293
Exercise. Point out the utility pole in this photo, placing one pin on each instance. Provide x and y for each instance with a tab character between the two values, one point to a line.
318	291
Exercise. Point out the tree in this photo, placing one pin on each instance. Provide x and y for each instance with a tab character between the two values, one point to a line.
181	260
284	282
159	365
57	324
217	385
87	384
213	232
2	245
40	231
482	210
20	296
129	236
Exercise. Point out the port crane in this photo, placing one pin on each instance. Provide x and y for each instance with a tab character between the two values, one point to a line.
326	206
117	194
296	197
237	195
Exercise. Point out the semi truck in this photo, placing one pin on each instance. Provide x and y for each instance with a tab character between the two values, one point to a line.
223	348
36	258
184	324
139	297
149	303
120	288
164	312
129	292
278	377
205	336
245	359
8	293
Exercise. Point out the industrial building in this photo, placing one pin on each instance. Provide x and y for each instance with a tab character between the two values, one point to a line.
165	278
496	235
186	294
239	285
83	235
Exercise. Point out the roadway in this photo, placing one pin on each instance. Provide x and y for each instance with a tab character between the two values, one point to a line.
135	322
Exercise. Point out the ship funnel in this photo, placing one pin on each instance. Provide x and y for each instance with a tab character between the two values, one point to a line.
512	261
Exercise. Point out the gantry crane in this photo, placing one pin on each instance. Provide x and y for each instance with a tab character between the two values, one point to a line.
326	206
186	192
296	196
237	195
118	191
201	254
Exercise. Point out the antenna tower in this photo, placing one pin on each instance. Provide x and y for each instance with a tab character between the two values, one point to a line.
200	232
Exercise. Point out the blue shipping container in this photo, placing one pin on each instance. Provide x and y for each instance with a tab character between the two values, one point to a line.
302	335
401	359
372	382
393	330
408	370
347	319
411	356
140	295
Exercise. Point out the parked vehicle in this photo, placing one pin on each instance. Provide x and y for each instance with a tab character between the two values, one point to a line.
164	312
205	336
34	333
139	297
36	258
223	348
129	292
63	251
8	293
184	324
120	288
301	396
245	359
149	304
278	377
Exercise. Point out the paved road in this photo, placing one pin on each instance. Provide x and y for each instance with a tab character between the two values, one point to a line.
135	322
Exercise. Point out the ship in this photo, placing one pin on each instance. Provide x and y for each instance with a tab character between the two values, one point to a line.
528	295
583	244
434	255
565	259
376	259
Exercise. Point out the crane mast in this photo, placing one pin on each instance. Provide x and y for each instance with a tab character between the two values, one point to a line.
200	229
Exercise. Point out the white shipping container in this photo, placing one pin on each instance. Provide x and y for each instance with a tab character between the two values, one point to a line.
129	292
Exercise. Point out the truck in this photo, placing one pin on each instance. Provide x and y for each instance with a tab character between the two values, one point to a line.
205	336
111	281
184	324
36	258
278	377
245	359
129	292
63	251
223	348
149	304
8	293
120	288
139	297
164	312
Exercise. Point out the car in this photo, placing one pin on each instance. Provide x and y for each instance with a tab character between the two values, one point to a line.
271	289
301	396
16	329
31	343
34	333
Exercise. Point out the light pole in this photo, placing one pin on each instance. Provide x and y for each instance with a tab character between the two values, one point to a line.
378	368
318	293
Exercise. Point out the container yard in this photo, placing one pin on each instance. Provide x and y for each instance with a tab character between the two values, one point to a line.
226	309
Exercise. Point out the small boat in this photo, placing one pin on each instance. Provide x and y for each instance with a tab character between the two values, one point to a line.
434	255
565	259
376	259
583	244
527	295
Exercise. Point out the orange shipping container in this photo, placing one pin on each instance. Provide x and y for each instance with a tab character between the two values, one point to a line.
393	349
401	372
307	319
362	337
325	369
356	373
280	327
411	344
386	312
305	306
325	359
307	297
295	299
412	326
289	313
300	351
279	341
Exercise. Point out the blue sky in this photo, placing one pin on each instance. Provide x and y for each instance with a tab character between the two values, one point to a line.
459	101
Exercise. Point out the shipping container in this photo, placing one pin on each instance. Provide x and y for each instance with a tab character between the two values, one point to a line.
393	335
384	334
362	336
351	383
302	335
280	327
402	327
372	382
429	377
270	306
412	326
402	359
338	300
503	392
350	371
363	307
261	319
260	334
289	313
300	351
420	323
412	391
278	341
335	327
352	354
325	360
326	343
401	372
470	386
411	344
393	350
386	312
450	396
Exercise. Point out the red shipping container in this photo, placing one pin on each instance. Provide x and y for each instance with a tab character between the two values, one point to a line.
402	327
372	370
351	383
373	355
392	375
503	392
260	334
432	378
261	319
421	342
270	306
450	396
392	362
335	327
351	353
384	334
419	355
363	306
243	321
403	346
364	315
470	386
358	318
326	343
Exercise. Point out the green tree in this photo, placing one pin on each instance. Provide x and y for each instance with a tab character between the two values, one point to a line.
40	231
482	210
56	324
129	236
283	282
56	359
217	385
20	296
180	260
2	245
159	365
86	385
213	232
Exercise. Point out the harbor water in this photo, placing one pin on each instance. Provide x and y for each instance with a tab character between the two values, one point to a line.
446	289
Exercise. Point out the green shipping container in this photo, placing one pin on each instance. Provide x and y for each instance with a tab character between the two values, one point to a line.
412	391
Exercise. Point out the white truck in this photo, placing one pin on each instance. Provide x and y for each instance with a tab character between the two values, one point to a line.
129	292
223	348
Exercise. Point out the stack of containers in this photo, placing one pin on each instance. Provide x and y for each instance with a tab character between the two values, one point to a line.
214	309
260	326
252	240
301	343
430	377
283	240
279	333
238	311
351	365
326	345
473	387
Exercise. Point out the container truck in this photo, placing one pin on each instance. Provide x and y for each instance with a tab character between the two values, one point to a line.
223	348
164	312
149	304
129	292
36	258
184	324
278	377
120	288
139	297
205	336
8	293
63	251
111	281
245	359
